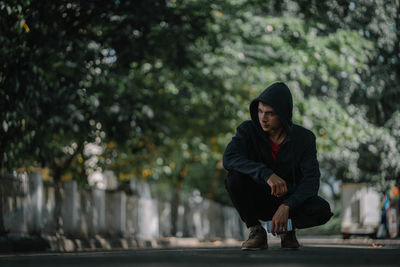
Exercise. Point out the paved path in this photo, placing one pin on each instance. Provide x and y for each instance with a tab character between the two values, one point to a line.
314	252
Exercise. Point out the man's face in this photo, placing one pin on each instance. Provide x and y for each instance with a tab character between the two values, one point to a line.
267	117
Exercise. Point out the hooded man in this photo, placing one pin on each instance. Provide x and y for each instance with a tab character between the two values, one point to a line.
273	171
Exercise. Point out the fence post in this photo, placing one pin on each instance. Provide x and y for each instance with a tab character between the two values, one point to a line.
70	208
116	212
98	211
36	199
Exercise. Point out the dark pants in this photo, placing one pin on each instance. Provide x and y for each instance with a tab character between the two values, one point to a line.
254	202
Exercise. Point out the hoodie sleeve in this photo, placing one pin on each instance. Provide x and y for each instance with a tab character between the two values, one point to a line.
309	184
236	158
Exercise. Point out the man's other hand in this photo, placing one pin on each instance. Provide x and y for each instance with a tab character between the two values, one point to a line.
278	185
280	219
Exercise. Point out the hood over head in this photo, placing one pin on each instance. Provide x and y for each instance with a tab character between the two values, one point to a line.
278	96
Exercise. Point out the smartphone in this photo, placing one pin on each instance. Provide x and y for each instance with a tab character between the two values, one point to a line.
289	226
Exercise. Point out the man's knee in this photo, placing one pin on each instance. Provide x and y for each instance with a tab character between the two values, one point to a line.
235	181
317	205
314	211
323	210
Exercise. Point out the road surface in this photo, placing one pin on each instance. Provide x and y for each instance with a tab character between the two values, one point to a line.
311	254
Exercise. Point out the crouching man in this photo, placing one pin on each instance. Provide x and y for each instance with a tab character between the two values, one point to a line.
273	171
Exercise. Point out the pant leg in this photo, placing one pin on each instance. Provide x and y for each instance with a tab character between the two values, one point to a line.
313	212
253	201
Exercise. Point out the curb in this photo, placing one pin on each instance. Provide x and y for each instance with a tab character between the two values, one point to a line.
101	243
64	244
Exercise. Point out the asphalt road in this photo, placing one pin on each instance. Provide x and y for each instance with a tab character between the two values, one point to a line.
308	255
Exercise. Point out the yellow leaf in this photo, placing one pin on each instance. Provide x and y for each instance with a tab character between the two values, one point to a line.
111	145
26	27
67	177
124	176
146	172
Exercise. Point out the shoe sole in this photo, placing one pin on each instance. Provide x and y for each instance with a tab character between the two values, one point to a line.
290	248
255	249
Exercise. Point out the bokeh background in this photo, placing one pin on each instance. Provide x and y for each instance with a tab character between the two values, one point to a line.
110	95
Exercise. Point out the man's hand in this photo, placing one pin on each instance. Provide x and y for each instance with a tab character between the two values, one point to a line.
280	219
278	185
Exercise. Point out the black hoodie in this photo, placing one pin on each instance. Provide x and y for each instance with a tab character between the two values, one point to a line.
249	152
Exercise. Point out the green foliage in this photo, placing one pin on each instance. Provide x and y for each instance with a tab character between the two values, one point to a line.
377	89
162	85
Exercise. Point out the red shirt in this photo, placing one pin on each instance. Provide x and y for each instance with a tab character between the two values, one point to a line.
275	148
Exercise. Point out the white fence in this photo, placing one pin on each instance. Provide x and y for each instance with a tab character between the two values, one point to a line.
28	208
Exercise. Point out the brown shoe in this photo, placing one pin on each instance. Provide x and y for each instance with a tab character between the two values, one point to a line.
289	240
257	239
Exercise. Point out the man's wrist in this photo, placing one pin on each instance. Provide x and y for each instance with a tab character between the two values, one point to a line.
266	179
286	206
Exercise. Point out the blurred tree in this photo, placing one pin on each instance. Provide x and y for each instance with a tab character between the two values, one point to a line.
45	73
377	89
375	92
76	72
56	60
161	85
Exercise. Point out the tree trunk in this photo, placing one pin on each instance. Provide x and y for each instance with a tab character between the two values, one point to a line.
174	211
58	192
396	47
213	185
58	171
5	137
3	231
176	201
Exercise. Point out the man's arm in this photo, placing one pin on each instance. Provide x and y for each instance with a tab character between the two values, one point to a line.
236	158
280	219
309	184
308	187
